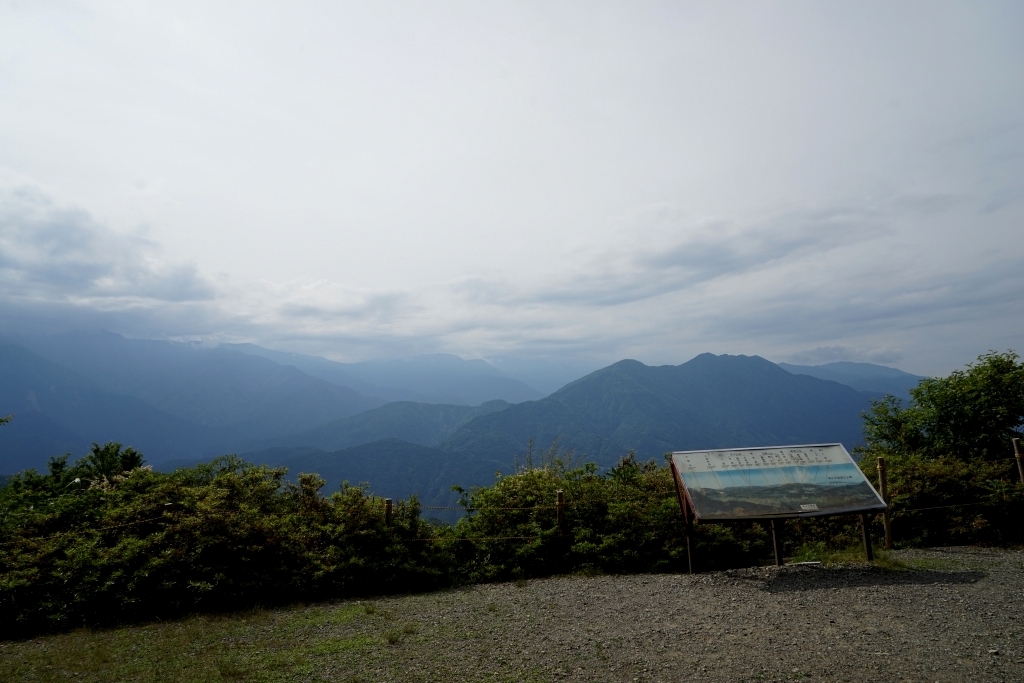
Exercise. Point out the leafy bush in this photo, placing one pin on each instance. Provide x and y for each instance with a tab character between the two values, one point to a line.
951	478
108	540
946	500
973	413
627	520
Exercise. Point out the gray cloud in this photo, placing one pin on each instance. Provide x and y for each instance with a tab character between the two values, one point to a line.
793	286
50	254
524	180
684	256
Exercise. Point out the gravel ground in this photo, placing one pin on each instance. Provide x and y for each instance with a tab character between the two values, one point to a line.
953	614
956	615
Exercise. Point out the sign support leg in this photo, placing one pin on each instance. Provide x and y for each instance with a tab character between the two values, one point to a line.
883	488
684	505
1020	458
689	554
777	541
866	531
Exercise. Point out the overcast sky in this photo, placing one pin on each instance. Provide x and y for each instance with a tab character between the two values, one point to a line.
580	182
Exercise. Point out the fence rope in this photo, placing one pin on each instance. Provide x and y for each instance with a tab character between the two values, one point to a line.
477	538
80	529
472	509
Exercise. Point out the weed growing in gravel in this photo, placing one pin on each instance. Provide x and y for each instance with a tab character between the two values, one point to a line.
819	552
393	637
370	608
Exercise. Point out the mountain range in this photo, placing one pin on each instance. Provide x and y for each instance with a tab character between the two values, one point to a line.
183	403
433	378
876	380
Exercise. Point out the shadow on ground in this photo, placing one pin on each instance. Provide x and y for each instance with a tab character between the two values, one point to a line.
794	579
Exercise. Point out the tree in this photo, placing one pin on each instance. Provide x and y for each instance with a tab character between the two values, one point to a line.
971	414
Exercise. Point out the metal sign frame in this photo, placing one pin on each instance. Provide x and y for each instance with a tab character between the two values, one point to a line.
775	520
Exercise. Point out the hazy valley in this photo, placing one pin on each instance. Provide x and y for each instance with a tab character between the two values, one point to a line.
415	425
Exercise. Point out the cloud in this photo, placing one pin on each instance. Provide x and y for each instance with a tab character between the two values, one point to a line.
812	285
54	254
660	253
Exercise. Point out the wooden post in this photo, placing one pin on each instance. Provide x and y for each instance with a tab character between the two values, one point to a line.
883	486
777	541
866	531
686	515
1020	459
689	535
561	514
388	516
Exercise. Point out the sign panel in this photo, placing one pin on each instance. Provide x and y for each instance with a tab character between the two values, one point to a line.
787	481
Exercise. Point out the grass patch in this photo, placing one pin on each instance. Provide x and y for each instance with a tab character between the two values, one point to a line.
249	646
334	645
819	552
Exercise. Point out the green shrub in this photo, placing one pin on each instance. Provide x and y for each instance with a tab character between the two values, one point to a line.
946	500
87	544
627	520
972	414
107	540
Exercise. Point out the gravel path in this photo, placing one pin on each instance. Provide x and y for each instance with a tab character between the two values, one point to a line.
957	615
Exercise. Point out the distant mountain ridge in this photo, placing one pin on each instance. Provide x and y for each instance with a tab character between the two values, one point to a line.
709	402
394	468
277	414
876	380
177	401
217	388
425	424
58	411
435	378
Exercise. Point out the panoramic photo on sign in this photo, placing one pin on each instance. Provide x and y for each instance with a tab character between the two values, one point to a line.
767	482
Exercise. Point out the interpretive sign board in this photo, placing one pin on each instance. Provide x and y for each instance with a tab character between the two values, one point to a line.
766	483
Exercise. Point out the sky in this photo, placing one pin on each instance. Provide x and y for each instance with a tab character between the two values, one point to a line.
562	183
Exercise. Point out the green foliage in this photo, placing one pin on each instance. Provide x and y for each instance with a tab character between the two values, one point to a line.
822	552
951	478
88	544
106	540
627	520
945	500
971	414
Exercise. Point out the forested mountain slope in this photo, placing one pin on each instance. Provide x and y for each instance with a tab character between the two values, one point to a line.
427	424
392	468
434	378
218	388
877	380
708	402
59	411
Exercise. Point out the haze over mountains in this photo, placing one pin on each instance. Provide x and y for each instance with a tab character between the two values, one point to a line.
181	403
876	380
435	378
